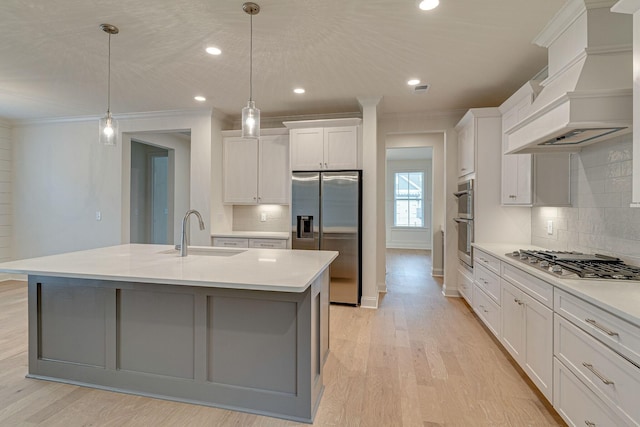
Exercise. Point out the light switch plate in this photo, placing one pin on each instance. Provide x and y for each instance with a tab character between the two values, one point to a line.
549	227
98	215
263	216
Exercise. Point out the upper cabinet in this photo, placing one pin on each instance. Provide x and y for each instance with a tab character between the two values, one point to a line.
475	130
256	171
531	179
633	7
325	144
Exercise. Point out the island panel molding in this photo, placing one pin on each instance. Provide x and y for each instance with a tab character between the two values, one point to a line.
255	351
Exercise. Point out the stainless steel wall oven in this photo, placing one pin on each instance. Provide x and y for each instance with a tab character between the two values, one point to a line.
465	221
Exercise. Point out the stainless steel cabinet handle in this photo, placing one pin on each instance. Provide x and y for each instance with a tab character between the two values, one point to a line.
325	165
518	301
320	165
590	423
604	379
602	328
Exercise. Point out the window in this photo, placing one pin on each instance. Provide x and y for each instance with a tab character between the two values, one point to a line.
408	199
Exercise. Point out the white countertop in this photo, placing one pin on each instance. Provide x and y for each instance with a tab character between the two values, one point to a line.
280	235
258	269
619	297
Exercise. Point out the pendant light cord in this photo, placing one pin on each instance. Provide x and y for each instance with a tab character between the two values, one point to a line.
109	79
251	59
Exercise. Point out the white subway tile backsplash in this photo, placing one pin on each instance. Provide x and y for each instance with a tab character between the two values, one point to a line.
600	219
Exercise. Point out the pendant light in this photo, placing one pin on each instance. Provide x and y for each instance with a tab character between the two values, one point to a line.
250	114
108	125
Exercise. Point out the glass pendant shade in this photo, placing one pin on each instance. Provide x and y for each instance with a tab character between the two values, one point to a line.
108	129
250	121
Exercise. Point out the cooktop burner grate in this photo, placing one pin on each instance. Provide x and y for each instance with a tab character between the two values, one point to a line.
578	265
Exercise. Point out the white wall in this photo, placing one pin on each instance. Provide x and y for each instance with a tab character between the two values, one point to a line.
247	218
409	237
600	220
5	193
65	176
442	124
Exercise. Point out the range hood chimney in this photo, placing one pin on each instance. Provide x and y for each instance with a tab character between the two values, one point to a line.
587	96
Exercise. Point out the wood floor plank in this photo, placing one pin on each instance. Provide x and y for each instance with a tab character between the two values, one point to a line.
419	360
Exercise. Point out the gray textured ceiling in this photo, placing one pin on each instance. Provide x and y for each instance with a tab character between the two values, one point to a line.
473	53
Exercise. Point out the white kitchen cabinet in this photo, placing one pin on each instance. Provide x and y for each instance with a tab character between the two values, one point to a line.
330	148
576	403
486	290
231	242
245	242
466	149
527	334
465	283
531	179
256	171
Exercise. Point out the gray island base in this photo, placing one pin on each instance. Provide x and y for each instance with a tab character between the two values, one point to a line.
199	341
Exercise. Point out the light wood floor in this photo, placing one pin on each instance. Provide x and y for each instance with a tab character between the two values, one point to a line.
419	360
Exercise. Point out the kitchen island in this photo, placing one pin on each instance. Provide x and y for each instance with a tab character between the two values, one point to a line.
239	329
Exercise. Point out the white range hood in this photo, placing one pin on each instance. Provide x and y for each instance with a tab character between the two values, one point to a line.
587	96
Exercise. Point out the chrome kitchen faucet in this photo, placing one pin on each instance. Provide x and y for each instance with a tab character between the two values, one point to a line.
184	240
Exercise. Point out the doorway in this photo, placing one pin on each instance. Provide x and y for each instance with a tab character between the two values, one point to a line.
416	157
150	194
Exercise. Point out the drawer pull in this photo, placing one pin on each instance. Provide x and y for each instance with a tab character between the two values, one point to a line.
518	301
602	328
590	423
483	309
604	379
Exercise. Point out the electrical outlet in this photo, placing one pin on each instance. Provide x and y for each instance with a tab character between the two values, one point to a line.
549	227
98	215
263	216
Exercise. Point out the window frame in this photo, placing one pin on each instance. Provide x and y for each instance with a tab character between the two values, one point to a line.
408	199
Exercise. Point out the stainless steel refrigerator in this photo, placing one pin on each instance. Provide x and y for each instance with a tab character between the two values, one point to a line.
326	214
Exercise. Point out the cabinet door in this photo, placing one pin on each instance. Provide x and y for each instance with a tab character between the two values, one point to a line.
512	319
538	341
524	194
240	170
466	149
274	178
341	148
307	149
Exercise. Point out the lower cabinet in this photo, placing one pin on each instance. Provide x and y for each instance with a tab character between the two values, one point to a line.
527	334
487	310
465	283
241	242
576	404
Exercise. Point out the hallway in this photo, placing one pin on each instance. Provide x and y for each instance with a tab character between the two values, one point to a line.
419	360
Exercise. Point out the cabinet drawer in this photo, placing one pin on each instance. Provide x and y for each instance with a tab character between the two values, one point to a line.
621	336
465	285
231	242
576	403
611	377
536	288
487	310
488	282
488	261
268	243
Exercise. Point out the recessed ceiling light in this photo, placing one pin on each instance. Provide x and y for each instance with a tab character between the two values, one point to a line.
428	4
213	50
413	82
200	98
299	90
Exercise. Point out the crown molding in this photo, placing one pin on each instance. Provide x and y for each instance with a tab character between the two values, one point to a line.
122	116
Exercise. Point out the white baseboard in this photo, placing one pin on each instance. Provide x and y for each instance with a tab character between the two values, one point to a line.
382	287
19	277
369	302
397	245
450	292
437	272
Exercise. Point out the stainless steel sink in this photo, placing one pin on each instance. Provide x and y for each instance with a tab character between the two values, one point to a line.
198	251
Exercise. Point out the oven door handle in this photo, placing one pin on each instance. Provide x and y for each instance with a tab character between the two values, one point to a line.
459	220
462	193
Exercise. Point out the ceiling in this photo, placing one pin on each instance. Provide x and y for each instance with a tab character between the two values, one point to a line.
53	60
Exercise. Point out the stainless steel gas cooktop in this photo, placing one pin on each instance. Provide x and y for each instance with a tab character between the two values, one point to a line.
576	265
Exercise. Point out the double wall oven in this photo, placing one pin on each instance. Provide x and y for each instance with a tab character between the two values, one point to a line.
464	219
